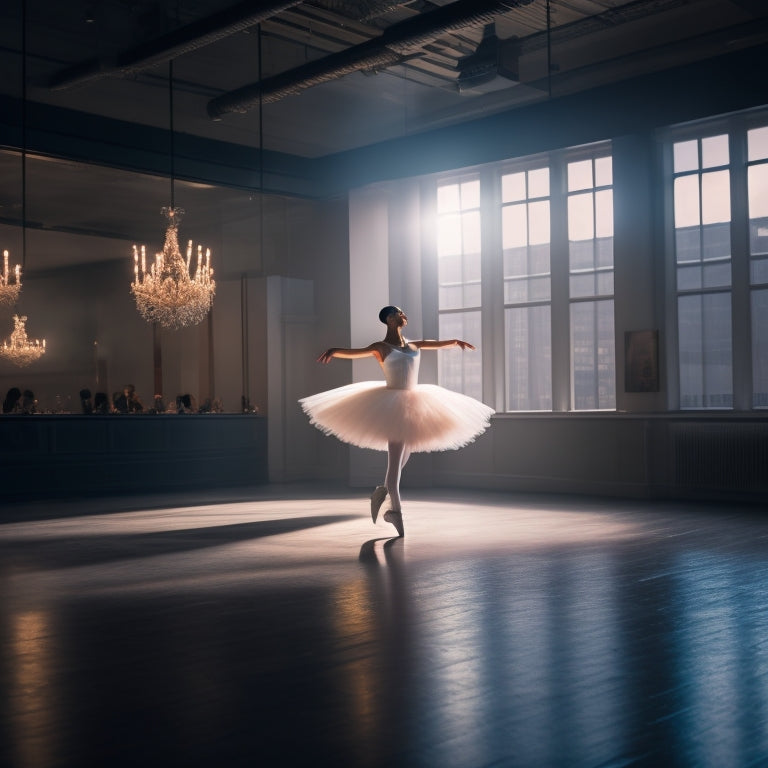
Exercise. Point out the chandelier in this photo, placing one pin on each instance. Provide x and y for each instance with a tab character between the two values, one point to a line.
9	291
168	293
19	349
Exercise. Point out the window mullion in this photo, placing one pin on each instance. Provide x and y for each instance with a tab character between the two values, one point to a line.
561	333
492	290
740	277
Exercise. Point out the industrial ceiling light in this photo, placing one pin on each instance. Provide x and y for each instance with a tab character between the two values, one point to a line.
168	293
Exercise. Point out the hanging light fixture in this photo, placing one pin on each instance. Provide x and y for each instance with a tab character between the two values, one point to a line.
19	349
169	293
10	283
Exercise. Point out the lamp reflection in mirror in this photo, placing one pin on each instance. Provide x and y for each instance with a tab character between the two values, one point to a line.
19	349
10	283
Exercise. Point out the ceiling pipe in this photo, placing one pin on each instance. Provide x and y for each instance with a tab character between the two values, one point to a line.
163	49
395	45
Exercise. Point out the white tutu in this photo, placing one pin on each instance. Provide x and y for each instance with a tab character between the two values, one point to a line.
425	417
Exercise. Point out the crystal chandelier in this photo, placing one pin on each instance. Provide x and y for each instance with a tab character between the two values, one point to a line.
168	293
19	349
9	291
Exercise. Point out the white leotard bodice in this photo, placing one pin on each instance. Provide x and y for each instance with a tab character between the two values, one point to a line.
401	367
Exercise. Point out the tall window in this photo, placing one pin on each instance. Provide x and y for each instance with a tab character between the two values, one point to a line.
702	229
590	259
458	274
757	182
525	234
542	230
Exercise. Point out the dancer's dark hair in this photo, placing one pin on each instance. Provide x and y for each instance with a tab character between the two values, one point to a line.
386	312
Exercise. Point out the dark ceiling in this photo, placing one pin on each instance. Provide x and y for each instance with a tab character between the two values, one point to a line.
312	79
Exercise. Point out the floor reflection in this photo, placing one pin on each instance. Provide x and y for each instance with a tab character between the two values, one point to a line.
278	632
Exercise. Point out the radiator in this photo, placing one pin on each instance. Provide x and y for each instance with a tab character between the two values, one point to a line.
721	456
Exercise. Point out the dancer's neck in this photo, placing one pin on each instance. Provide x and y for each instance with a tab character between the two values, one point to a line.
396	339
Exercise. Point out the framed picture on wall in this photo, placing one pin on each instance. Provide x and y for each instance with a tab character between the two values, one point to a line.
641	361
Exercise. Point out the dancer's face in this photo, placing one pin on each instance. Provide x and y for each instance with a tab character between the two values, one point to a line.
398	318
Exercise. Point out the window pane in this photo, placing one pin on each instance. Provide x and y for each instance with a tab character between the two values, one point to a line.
759	271
538	217
470	223
757	144
470	194
515	262
688	245
687	201
539	259
714	151
705	351
529	358
514	226
515	291
604	252
451	296
686	156
539	289
717	275
513	187
689	278
758	208
581	225
593	355
716	242
459	371
448	235
604	213
582	285
760	349
580	175
604	171
605	283
582	255
715	197
538	182
448	198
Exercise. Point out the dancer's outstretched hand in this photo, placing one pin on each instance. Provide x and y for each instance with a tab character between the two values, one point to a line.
463	344
327	356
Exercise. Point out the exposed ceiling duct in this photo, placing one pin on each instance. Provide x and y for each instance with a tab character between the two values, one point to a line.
167	47
483	71
395	45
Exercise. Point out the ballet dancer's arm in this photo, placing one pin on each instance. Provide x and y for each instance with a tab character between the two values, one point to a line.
434	344
372	350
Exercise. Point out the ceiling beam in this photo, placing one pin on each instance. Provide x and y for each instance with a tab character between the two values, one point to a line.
163	49
395	45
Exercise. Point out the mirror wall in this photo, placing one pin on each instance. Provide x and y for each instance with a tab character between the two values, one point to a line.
81	222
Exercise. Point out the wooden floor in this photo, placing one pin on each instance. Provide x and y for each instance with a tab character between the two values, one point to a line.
279	627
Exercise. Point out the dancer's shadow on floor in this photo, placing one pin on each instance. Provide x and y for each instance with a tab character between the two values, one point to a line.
392	549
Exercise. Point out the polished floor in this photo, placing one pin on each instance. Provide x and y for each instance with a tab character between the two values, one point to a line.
279	627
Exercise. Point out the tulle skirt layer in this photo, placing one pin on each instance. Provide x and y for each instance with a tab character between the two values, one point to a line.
425	418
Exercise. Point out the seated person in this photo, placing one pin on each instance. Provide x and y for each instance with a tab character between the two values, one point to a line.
128	401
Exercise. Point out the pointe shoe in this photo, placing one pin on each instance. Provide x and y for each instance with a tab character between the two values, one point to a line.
377	499
395	516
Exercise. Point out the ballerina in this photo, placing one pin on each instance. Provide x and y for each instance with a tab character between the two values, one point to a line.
399	416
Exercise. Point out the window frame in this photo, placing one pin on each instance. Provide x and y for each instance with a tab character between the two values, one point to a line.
735	127
493	304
